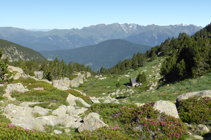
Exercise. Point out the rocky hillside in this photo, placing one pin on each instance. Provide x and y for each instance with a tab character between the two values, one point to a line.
17	52
103	111
56	39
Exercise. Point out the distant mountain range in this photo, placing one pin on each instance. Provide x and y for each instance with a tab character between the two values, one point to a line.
17	52
106	54
150	35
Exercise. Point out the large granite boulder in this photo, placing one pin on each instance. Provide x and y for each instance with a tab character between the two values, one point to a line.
14	111
17	76
62	84
91	122
38	74
48	120
17	69
167	107
185	96
71	100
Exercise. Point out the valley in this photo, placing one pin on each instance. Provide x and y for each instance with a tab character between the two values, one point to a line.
52	100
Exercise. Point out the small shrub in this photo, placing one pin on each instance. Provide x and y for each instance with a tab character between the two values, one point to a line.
195	110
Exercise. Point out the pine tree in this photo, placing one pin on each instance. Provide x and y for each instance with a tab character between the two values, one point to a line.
4	73
141	78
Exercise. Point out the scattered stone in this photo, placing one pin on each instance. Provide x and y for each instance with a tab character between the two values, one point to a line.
102	78
167	107
39	88
140	104
57	132
61	111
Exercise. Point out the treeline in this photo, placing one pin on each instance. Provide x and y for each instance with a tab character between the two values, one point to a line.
190	56
186	57
138	60
51	69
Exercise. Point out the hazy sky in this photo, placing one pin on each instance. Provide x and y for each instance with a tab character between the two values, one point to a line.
67	14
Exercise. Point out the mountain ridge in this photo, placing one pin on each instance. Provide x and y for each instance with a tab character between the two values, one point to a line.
61	39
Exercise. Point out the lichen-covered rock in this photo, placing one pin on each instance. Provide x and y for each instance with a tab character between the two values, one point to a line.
62	84
91	122
18	87
88	74
185	96
167	107
38	74
13	111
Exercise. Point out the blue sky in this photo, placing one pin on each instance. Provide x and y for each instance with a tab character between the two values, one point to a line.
67	14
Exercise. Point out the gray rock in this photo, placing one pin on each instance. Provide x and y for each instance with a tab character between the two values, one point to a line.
48	120
62	84
91	122
88	74
70	121
71	100
197	137
57	132
27	123
26	104
185	96
39	88
167	107
38	74
203	129
140	104
17	69
77	81
17	76
61	111
40	110
18	87
14	111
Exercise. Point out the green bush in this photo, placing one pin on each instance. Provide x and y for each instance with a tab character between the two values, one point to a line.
195	110
10	131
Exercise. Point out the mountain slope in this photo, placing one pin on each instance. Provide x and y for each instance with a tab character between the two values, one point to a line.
17	52
105	54
67	39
